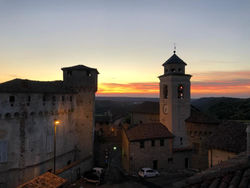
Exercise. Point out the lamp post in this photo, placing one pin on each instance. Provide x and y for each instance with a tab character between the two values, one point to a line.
56	122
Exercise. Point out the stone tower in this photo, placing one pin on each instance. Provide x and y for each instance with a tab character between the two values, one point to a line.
175	99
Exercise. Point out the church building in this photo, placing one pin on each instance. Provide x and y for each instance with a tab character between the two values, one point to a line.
163	144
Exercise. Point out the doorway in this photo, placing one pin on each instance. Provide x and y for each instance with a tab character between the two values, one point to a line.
155	164
186	162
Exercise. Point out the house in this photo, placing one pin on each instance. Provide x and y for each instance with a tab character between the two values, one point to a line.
29	113
147	145
228	141
200	126
146	112
229	173
161	144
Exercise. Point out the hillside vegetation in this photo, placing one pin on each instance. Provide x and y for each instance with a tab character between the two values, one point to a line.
225	108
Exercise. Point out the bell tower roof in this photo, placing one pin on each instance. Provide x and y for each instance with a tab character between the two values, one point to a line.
174	59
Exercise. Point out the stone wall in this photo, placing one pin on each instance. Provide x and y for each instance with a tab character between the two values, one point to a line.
144	157
198	134
27	126
216	156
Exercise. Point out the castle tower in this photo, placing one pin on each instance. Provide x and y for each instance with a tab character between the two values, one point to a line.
175	99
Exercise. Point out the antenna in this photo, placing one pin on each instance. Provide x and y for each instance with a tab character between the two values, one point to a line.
174	48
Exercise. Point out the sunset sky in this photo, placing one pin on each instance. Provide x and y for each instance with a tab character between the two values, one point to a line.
128	41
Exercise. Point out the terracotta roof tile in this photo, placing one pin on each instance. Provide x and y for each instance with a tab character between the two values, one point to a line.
146	107
46	180
148	131
174	59
233	173
199	117
229	136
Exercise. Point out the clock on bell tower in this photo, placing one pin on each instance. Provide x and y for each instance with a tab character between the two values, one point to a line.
175	99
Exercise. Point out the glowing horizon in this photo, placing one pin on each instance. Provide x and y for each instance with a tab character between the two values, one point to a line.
206	84
128	41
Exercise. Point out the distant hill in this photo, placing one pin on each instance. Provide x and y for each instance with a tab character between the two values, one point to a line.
128	99
217	107
224	108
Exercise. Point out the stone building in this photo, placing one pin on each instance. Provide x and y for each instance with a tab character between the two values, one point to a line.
146	112
227	142
175	107
27	114
147	145
234	172
172	112
199	128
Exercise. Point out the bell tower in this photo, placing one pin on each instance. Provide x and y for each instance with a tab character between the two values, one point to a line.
175	99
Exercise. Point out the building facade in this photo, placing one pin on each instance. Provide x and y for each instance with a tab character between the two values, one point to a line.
199	128
27	114
143	142
175	107
147	145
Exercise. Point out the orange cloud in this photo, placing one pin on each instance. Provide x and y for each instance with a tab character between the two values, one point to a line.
231	84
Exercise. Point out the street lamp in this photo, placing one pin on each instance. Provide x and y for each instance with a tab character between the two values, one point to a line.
56	122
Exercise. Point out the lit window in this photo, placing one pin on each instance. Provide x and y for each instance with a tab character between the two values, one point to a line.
180	92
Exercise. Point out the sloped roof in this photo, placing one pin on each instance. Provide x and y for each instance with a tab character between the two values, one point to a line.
148	131
229	174
79	67
229	136
30	86
174	59
46	180
146	107
197	116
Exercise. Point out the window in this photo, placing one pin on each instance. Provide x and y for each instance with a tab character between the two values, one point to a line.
12	98
89	74
165	92
161	142
142	144
29	98
63	98
170	160
70	98
196	148
3	151
54	98
180	92
69	73
179	70
152	143
172	70
181	141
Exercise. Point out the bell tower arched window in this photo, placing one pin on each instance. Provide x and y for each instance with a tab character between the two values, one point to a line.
165	91
180	92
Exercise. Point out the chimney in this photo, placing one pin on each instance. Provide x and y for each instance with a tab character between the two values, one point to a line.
248	140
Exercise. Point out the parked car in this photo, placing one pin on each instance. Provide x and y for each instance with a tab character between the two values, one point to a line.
98	170
94	176
148	172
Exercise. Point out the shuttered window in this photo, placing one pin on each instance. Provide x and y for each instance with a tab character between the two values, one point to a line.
3	151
